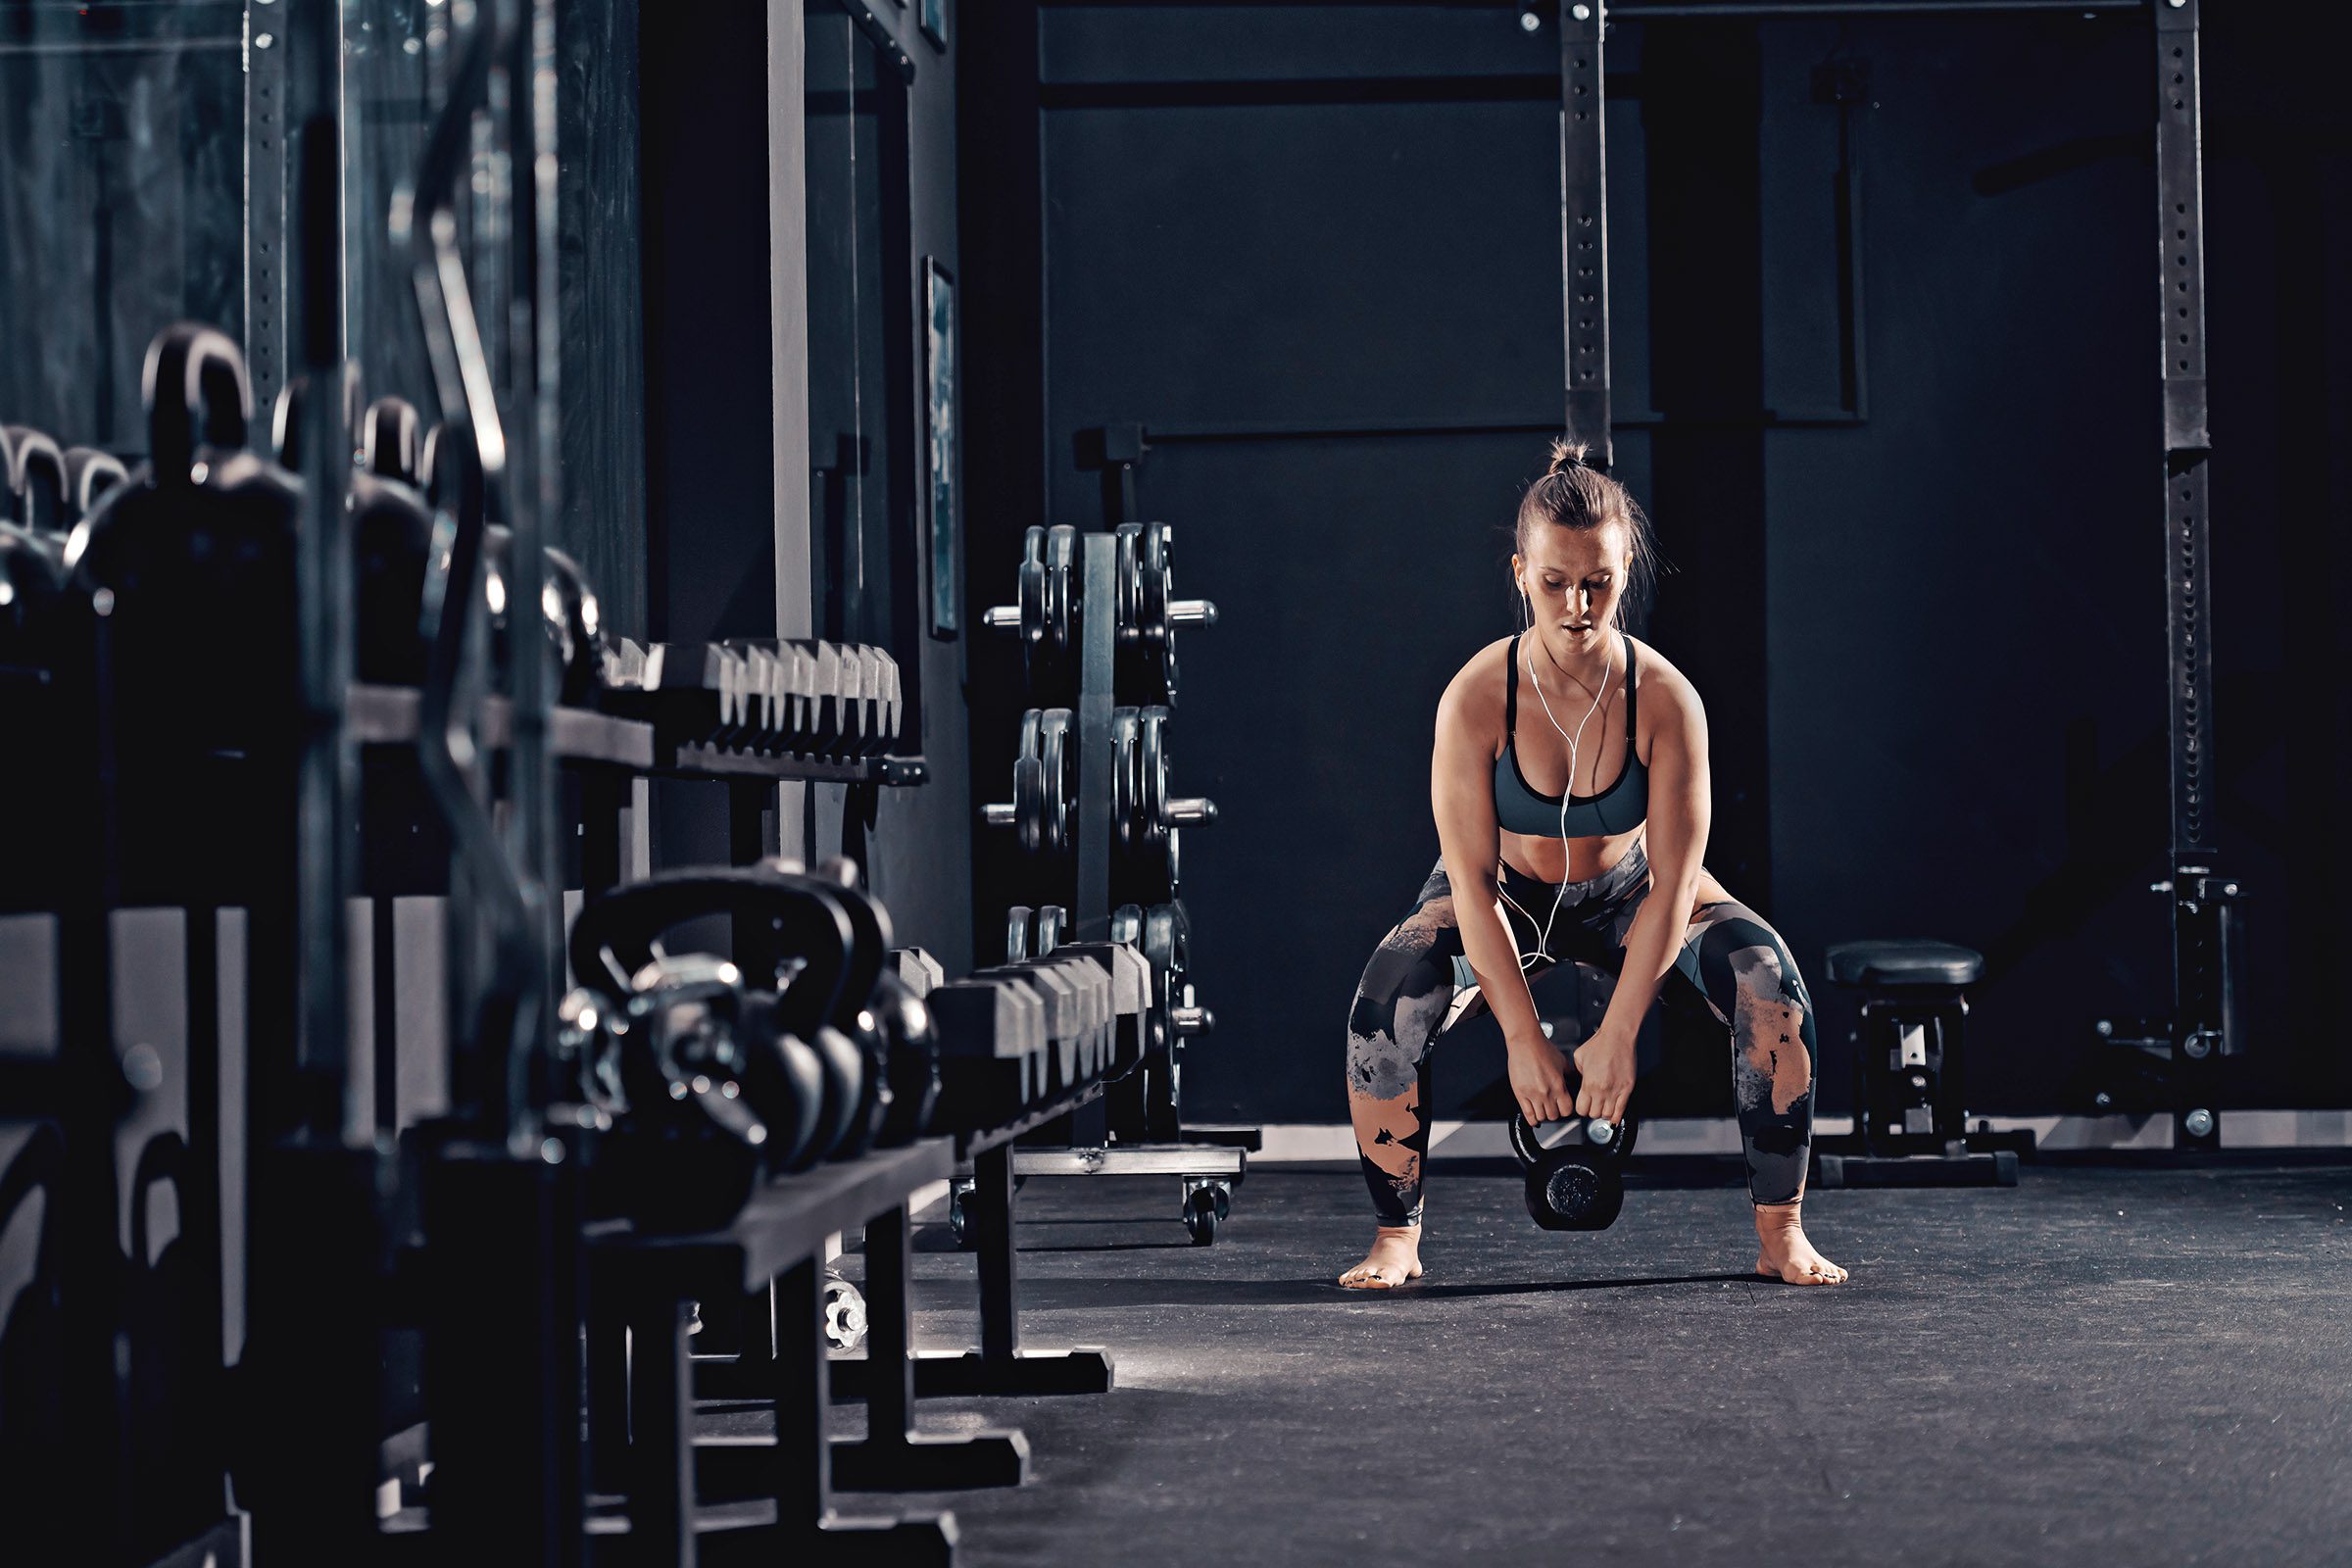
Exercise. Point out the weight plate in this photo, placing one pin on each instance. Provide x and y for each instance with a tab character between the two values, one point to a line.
1159	940
1033	588
1058	769
1125	744
845	1313
1050	923
1028	783
1164	1093
1180	928
1016	933
1029	802
1160	588
1127	924
1061	590
1152	776
1128	579
1157	591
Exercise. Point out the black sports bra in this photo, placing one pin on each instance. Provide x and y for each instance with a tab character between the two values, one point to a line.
1620	808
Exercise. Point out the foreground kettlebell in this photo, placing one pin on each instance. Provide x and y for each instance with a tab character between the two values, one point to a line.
1577	1186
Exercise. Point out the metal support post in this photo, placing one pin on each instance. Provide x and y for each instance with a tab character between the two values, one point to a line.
2203	900
894	1456
1585	230
1098	633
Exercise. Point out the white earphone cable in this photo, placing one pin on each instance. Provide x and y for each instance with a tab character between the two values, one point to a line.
1544	942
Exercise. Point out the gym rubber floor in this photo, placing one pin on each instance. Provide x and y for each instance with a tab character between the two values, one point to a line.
2100	1366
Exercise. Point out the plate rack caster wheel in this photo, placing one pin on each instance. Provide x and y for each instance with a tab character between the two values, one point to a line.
1206	1209
960	1215
845	1313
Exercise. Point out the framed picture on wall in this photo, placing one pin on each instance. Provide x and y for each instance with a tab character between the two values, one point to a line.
938	356
933	19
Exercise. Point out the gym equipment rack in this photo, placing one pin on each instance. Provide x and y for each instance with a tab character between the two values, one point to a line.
2170	1062
1204	1167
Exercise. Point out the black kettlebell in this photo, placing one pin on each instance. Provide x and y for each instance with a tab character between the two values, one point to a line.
40	492
33	1349
785	1079
391	528
195	552
567	610
170	1390
613	938
911	1050
89	474
854	1012
392	441
1576	1186
31	590
575	626
839	1130
691	1153
189	566
392	533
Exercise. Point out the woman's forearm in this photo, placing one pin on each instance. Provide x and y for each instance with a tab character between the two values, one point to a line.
1494	959
1650	945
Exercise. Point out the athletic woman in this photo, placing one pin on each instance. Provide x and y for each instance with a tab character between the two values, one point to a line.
1533	870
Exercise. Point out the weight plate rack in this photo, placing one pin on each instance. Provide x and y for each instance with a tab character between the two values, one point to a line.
1093	806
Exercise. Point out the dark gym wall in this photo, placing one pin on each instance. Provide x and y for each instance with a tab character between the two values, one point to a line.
597	204
727	466
121	204
1315	251
920	848
877	150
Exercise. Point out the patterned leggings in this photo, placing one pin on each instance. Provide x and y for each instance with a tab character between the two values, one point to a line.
1735	960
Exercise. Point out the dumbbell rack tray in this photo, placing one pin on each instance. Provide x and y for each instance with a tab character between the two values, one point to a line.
704	761
390	716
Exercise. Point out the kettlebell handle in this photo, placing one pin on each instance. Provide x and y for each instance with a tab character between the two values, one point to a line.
193	368
163	1160
1601	1137
613	935
38	1163
40	469
871	944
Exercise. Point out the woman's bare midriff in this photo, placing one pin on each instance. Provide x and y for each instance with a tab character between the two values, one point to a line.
1565	860
1582	859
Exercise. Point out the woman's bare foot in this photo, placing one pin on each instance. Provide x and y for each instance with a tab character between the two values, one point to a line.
1395	1257
1782	1251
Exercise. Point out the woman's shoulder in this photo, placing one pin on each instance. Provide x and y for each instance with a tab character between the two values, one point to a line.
1474	698
1664	688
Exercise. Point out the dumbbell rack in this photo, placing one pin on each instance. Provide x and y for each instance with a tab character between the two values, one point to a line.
1207	1171
680	1485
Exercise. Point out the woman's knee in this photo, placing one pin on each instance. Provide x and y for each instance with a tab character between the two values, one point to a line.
1755	982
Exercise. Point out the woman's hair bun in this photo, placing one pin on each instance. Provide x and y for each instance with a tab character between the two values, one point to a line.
1566	456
